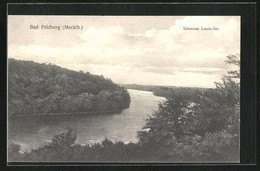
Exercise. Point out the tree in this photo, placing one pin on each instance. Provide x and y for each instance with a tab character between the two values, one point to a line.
60	148
35	88
14	152
207	125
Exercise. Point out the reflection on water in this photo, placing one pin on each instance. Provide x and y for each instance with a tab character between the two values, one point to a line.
36	131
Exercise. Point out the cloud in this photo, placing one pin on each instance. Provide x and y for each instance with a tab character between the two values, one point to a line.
114	50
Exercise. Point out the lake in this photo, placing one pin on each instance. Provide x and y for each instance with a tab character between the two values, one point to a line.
36	131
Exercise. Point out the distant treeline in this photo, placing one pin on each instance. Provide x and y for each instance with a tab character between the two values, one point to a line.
167	91
45	88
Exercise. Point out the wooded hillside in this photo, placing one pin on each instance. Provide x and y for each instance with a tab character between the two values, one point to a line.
35	88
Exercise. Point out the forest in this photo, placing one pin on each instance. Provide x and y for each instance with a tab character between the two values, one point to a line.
35	88
196	127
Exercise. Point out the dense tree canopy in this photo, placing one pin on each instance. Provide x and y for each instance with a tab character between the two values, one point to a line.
39	88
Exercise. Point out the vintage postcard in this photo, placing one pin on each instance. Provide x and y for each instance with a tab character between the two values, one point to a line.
123	89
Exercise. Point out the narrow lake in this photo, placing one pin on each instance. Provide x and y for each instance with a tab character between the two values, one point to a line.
36	131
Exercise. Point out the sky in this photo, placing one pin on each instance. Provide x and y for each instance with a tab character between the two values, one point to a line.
147	50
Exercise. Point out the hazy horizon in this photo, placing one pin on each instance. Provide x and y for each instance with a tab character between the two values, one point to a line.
143	50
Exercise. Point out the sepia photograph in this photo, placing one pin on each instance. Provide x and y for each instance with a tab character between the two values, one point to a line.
123	89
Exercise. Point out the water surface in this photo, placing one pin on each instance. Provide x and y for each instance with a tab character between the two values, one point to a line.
36	131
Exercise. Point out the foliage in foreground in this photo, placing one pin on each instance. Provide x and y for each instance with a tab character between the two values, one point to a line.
204	128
